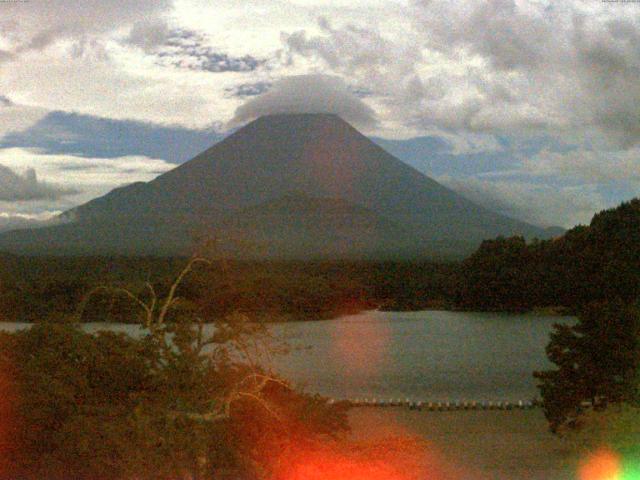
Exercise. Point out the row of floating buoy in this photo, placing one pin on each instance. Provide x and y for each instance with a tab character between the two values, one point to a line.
442	406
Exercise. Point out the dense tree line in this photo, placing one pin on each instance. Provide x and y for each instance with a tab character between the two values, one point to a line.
52	288
587	264
108	406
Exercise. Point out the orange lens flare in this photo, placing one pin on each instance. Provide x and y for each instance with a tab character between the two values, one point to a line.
602	465
343	469
391	459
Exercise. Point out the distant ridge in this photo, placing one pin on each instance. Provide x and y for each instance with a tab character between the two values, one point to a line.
294	185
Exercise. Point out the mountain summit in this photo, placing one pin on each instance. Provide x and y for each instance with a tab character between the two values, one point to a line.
293	186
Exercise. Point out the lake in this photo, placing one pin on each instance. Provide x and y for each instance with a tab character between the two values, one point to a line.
428	355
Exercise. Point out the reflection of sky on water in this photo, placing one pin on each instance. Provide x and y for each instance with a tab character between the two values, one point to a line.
419	355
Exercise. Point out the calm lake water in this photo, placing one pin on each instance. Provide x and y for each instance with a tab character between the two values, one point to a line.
429	355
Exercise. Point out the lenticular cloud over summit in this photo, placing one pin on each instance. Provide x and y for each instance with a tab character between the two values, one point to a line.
308	94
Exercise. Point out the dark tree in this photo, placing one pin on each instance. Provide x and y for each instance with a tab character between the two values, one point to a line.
597	363
495	277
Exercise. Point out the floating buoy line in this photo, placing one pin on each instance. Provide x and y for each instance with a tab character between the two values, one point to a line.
441	406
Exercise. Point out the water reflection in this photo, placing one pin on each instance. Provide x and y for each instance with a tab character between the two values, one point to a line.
431	355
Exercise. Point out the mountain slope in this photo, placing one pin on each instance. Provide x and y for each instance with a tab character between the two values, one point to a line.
245	183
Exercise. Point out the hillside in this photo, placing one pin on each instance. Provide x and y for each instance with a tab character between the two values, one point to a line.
591	263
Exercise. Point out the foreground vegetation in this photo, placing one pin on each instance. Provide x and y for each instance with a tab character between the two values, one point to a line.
176	403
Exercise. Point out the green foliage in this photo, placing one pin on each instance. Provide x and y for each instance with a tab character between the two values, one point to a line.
597	363
587	264
34	289
493	279
74	386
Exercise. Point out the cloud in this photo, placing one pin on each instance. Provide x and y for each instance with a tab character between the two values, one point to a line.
351	47
15	221
307	94
208	60
183	48
589	165
249	89
90	177
140	90
72	172
16	187
5	56
149	34
494	66
71	180
190	49
472	73
27	27
572	66
381	65
537	203
509	34
15	117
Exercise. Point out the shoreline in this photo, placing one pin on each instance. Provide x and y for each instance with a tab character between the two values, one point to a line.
280	319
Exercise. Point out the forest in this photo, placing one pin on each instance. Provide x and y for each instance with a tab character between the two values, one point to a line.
587	264
53	288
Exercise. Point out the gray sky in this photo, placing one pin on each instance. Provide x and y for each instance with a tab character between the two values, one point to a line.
535	105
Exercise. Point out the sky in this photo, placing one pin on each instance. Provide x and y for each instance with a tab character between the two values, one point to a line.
531	108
